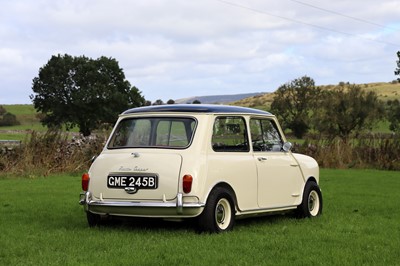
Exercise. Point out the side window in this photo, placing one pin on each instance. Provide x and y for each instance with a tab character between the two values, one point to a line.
265	135
230	134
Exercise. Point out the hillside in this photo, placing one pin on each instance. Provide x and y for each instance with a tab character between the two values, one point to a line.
386	91
219	99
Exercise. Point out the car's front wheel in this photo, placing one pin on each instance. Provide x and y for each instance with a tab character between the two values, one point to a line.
311	204
219	213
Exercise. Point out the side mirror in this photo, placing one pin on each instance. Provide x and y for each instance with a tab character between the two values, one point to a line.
287	146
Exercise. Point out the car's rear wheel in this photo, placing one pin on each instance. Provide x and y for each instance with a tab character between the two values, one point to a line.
219	213
311	204
93	219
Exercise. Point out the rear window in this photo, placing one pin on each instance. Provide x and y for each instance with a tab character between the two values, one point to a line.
164	132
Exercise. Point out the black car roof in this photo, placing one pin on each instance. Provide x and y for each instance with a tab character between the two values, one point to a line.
195	108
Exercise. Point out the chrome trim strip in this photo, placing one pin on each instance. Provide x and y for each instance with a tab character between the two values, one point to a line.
82	198
269	209
144	204
86	200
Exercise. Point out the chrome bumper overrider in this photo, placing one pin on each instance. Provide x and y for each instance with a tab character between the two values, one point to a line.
87	201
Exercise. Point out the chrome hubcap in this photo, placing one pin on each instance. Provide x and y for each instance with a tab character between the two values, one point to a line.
220	214
313	203
223	214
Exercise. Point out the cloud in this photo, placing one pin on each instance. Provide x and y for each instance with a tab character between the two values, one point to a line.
178	48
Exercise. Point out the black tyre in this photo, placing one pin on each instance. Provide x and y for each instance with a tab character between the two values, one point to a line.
93	219
219	213
311	204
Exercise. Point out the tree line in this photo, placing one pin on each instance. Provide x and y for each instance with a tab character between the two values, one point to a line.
91	93
343	111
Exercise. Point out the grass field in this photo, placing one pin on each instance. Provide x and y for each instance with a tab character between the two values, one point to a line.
42	224
27	116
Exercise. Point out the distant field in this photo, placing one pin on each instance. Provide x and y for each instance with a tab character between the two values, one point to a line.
25	112
385	91
27	116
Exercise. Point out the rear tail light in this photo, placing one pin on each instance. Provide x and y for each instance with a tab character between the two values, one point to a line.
187	183
85	181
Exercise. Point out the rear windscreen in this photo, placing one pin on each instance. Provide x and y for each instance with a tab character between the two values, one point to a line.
164	132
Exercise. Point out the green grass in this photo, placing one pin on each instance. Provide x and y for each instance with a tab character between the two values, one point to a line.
20	109
13	136
382	127
42	224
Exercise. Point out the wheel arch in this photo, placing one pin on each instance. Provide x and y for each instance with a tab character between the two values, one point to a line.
229	189
310	179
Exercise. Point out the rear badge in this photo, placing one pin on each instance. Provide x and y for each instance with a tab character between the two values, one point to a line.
130	190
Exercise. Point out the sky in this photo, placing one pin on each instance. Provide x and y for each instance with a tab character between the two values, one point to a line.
172	49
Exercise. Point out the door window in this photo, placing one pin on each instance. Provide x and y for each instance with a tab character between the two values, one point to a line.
265	135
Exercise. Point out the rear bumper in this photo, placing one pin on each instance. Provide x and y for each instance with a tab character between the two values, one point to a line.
169	209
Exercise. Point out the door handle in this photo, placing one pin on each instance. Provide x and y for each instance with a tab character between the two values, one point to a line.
262	159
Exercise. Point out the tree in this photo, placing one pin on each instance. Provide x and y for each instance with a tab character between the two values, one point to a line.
83	92
393	115
348	110
397	71
170	101
2	110
135	98
294	103
158	102
196	102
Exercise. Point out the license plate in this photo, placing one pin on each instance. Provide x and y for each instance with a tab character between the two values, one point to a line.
132	181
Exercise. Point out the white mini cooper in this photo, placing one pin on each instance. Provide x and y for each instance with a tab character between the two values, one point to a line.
214	163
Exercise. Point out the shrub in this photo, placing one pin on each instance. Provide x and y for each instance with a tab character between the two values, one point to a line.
378	151
6	118
9	119
50	152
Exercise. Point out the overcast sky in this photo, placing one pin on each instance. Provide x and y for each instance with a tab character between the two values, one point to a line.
173	49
